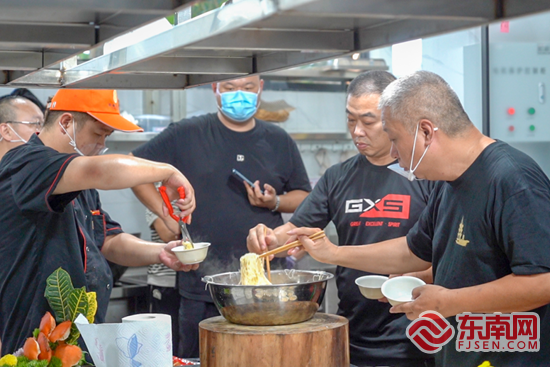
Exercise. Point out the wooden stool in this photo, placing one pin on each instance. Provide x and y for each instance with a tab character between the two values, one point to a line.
321	341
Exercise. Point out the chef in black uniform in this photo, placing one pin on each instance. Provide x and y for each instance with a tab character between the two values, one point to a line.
51	216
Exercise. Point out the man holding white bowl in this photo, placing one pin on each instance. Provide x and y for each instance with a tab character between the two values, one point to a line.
485	229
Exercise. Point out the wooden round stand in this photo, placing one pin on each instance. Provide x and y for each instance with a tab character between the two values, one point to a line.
321	341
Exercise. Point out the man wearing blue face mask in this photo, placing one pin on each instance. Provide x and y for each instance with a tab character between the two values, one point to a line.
207	148
238	105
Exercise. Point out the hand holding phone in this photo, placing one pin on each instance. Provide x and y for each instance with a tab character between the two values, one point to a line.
245	179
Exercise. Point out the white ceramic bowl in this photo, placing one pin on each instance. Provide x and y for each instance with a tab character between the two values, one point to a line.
371	285
399	289
194	255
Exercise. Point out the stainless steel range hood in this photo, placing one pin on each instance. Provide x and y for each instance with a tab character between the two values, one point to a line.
35	35
340	69
243	38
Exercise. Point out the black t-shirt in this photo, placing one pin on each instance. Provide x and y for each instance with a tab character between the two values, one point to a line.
38	235
95	225
492	221
367	204
206	151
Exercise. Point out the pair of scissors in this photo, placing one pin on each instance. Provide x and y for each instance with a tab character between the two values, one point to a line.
184	233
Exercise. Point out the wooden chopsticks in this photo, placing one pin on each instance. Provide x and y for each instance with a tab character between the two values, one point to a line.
288	246
267	262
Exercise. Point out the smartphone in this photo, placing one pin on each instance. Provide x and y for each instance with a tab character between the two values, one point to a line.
243	177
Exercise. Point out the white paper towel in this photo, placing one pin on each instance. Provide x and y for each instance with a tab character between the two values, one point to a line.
143	340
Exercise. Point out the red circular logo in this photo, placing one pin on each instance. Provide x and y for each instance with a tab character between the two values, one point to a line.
430	332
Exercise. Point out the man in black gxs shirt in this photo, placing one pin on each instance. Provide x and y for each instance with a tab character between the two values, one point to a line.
485	229
368	203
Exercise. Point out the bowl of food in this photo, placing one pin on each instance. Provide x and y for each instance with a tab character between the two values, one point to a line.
191	255
398	290
371	285
294	296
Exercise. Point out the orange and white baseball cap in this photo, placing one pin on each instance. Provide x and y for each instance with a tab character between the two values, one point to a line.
101	104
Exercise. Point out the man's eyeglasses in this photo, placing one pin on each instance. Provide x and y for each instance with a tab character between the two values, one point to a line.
37	125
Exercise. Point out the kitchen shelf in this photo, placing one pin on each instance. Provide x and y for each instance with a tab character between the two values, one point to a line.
37	36
244	38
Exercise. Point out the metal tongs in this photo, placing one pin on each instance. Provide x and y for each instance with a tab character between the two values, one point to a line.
184	232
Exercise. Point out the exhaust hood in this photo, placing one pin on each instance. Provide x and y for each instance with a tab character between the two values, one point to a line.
340	69
40	41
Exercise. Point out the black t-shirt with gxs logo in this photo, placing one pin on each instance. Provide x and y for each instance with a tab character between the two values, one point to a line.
367	204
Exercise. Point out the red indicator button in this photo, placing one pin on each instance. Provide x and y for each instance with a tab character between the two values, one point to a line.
511	128
511	111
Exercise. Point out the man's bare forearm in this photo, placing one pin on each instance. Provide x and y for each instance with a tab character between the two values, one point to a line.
291	200
111	172
512	293
150	197
127	250
387	257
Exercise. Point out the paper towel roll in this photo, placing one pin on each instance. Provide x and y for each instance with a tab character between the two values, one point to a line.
157	317
140	340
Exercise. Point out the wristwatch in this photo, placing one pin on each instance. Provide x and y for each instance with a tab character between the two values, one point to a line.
277	204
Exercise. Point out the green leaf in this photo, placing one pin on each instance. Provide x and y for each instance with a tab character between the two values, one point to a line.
73	335
92	306
35	333
55	362
24	362
78	303
83	361
53	345
58	291
42	363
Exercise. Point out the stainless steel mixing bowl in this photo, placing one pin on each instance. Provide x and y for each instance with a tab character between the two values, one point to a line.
294	296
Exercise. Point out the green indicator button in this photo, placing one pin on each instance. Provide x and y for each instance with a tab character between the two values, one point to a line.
531	111
532	128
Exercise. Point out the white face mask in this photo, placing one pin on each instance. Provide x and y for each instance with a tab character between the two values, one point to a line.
93	148
73	140
409	175
21	140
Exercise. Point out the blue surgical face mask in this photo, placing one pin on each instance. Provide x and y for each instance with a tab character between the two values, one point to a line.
239	106
409	175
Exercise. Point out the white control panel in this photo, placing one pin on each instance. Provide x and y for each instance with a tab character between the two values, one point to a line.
519	83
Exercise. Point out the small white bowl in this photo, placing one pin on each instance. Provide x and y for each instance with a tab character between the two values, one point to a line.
194	255
371	285
398	290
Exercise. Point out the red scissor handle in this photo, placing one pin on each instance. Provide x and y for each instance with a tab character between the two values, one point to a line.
181	190
166	199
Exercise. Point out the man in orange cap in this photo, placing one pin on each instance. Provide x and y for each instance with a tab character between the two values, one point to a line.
51	214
